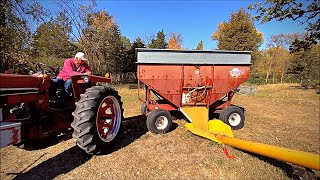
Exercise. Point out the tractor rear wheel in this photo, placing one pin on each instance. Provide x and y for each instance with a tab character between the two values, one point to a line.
159	121
97	118
233	116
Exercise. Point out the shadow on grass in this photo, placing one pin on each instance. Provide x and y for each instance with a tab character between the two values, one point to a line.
37	144
292	172
132	129
60	164
66	161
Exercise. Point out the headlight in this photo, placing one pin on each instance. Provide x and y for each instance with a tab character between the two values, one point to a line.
86	79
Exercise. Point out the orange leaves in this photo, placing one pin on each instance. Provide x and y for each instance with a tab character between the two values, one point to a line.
200	46
221	27
175	41
173	44
103	20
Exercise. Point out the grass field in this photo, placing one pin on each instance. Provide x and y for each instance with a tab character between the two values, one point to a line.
281	115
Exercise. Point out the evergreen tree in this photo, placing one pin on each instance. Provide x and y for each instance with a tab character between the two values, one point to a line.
137	43
238	34
132	66
52	43
117	52
305	66
51	39
159	42
200	46
126	42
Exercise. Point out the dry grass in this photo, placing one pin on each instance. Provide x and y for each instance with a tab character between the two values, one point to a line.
280	115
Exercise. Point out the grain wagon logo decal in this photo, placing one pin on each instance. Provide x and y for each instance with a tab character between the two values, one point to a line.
235	72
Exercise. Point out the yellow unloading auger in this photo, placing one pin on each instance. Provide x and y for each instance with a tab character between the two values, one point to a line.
217	131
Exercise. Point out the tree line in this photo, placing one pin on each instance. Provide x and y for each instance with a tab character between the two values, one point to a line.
78	27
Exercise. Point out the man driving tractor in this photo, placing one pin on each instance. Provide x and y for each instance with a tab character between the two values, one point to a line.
71	67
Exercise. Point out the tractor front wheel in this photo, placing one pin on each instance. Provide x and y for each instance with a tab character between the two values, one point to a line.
97	118
233	116
159	121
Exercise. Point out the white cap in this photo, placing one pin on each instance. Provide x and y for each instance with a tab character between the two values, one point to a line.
81	56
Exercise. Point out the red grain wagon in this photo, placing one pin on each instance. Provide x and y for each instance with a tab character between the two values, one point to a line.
182	78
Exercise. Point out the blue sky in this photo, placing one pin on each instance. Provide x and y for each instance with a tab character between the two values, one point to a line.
195	20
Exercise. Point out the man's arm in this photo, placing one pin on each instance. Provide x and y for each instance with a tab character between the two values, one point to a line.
88	69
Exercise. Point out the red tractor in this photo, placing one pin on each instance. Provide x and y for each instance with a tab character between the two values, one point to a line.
29	109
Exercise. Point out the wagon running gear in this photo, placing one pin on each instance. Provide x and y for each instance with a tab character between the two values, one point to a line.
159	121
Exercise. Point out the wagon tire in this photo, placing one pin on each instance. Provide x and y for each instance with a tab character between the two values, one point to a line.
99	108
159	121
233	116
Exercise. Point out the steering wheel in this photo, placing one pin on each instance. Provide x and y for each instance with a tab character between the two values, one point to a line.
46	69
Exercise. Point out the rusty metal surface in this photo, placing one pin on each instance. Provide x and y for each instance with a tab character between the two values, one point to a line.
192	84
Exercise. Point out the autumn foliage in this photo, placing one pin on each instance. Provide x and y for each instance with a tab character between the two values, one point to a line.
238	34
200	46
83	28
175	41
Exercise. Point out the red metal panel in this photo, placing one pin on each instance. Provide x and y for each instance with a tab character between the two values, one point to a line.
167	107
227	78
79	86
19	81
164	79
15	99
171	81
195	76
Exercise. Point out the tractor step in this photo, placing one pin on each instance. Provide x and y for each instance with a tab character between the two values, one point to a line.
10	133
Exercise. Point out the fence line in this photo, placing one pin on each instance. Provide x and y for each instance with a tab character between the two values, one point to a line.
124	77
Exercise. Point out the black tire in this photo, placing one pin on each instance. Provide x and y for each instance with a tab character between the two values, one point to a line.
143	109
159	121
86	118
233	116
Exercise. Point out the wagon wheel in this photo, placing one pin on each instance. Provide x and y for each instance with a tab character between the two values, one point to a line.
97	118
233	116
159	121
